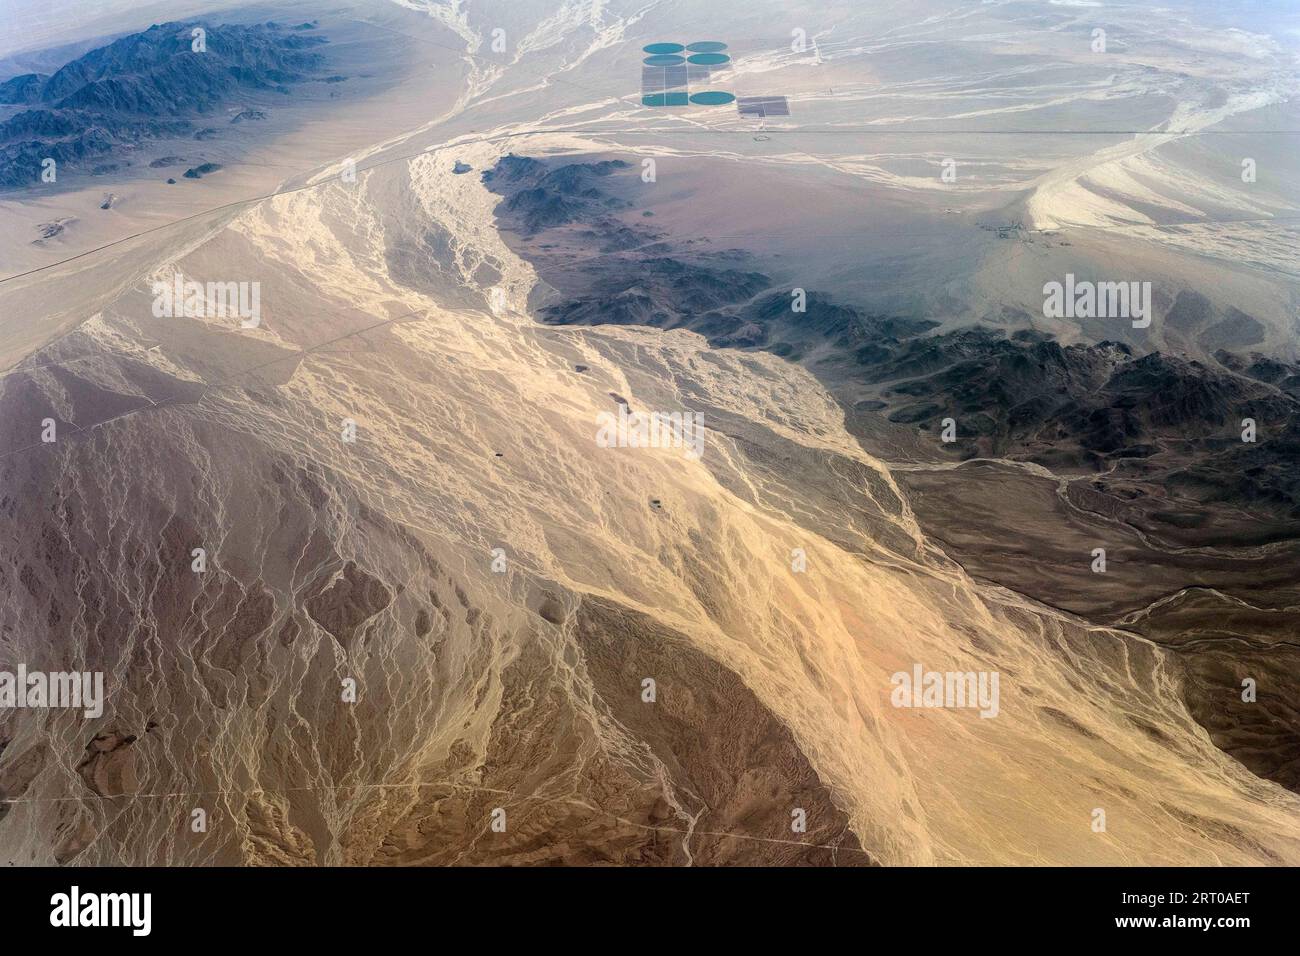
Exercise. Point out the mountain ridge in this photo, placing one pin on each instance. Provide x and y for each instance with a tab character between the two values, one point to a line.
145	86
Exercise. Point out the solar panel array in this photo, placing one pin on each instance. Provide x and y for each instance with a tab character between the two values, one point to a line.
763	106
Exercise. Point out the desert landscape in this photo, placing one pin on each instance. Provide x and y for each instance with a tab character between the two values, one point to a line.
562	432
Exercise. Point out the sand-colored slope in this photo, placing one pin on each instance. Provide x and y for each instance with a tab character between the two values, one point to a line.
816	648
476	432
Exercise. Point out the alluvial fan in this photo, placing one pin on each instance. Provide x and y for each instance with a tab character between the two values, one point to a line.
517	473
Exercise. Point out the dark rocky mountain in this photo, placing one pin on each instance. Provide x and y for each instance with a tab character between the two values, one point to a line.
198	172
145	86
1131	419
665	293
542	197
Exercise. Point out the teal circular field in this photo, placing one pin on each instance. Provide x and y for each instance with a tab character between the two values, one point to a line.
664	99
664	48
706	46
708	59
712	98
664	59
